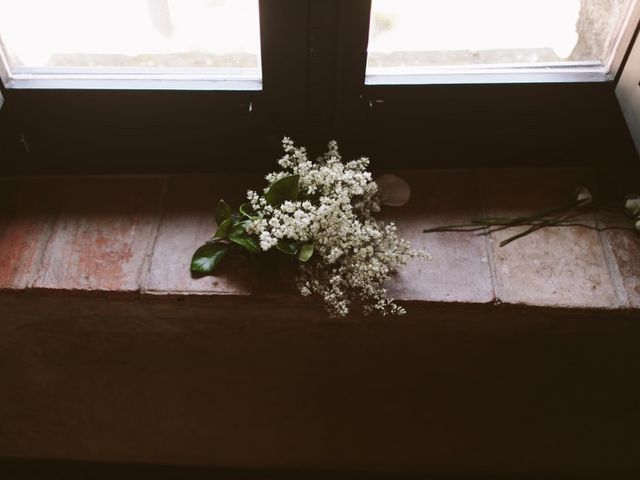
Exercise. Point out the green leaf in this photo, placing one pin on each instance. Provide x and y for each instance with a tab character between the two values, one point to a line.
223	211
223	229
286	188
248	243
207	257
288	246
239	236
246	210
305	252
238	228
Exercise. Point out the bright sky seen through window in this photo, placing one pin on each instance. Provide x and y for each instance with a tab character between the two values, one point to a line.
74	35
409	36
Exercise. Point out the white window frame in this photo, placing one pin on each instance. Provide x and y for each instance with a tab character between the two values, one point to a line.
628	93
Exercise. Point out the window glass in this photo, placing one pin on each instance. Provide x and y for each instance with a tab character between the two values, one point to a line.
413	36
218	37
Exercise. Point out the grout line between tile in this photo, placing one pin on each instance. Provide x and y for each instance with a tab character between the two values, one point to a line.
612	265
145	268
488	239
35	276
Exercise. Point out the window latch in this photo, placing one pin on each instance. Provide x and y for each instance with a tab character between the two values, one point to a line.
372	104
250	112
25	143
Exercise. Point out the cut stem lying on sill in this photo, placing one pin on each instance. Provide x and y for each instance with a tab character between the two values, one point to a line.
564	216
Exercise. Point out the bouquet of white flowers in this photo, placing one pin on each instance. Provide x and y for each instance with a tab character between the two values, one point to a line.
321	214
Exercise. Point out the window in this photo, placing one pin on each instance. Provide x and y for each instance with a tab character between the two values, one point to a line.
155	86
467	115
199	85
76	43
421	40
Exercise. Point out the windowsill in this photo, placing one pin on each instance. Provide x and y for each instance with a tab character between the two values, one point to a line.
133	236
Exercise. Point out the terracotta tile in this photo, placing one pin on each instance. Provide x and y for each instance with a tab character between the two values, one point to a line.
562	266
626	250
623	247
103	234
27	212
459	270
188	222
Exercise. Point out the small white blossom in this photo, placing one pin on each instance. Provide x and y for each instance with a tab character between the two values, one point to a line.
267	241
354	255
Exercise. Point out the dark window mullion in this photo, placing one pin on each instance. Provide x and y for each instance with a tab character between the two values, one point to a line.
337	36
283	104
354	27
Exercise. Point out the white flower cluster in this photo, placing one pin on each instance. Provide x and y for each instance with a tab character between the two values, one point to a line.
353	254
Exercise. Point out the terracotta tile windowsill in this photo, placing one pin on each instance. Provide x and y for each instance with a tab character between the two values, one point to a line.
135	235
